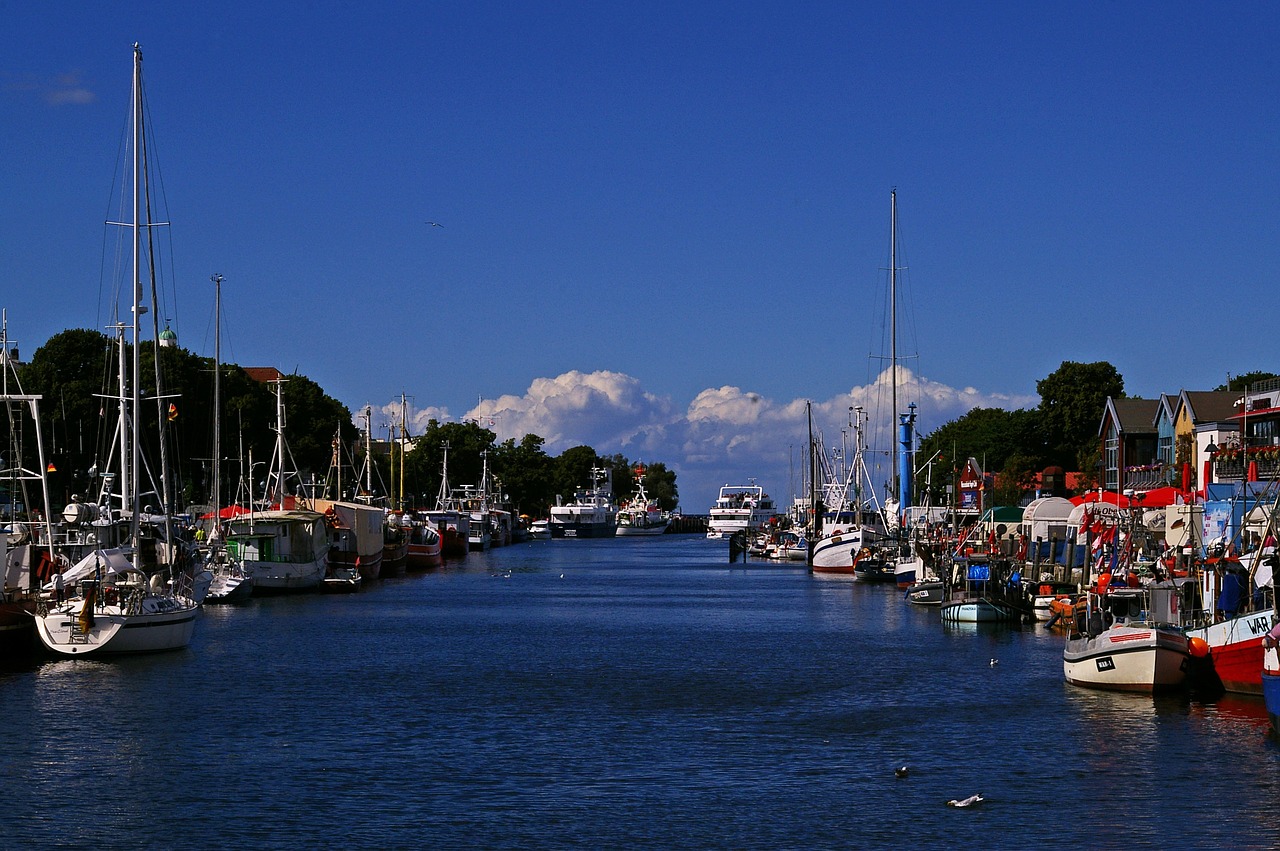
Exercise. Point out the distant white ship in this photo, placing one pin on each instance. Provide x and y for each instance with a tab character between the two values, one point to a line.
740	508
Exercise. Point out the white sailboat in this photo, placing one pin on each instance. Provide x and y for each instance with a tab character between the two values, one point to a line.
230	582
123	600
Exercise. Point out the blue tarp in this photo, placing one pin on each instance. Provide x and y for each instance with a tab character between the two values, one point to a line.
979	572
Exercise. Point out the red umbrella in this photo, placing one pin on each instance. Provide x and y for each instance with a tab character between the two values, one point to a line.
1159	497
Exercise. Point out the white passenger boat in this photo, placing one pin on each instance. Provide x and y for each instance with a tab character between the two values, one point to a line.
740	508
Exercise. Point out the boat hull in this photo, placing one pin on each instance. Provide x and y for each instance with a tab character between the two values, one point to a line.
978	611
582	529
1142	659
1235	648
1271	687
637	530
927	593
156	629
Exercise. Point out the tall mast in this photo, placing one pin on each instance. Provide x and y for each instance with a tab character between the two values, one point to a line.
893	314
217	400
404	435
135	483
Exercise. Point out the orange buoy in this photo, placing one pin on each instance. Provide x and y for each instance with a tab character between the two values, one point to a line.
1199	647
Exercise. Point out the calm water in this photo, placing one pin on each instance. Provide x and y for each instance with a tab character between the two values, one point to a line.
607	694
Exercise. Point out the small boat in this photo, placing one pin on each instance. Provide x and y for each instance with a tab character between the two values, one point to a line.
395	545
540	530
341	579
1130	642
983	591
1045	594
281	550
927	592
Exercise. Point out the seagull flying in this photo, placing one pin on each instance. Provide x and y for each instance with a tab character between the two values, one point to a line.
435	224
995	662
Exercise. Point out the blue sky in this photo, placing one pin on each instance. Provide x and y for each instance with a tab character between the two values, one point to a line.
665	225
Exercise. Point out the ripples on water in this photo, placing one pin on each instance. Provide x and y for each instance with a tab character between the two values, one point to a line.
616	693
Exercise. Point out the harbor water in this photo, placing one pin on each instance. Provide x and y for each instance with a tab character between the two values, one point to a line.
617	693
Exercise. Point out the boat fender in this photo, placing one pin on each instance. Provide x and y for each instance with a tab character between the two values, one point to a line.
1198	647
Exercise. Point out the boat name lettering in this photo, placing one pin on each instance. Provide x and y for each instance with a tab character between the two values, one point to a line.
1260	625
1106	663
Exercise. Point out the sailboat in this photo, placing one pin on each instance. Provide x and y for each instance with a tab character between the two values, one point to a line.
852	540
230	582
129	598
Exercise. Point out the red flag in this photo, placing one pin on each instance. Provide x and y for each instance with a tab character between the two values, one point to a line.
1084	524
173	412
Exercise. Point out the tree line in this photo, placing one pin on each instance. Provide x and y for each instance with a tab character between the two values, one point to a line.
75	373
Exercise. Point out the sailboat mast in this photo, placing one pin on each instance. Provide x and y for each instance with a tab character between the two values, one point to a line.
404	435
893	315
217	399
135	419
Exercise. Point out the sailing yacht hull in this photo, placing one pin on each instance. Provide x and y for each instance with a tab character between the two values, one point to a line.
157	628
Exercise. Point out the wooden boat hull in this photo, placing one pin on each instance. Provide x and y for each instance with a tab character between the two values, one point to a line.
1142	659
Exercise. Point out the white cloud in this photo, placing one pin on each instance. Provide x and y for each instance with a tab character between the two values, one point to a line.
725	435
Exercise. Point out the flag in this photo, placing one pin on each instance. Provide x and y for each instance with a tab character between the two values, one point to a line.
86	611
51	468
1084	523
173	412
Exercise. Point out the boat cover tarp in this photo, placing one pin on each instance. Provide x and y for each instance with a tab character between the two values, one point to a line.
978	572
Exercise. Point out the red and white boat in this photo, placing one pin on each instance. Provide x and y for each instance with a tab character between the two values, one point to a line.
426	546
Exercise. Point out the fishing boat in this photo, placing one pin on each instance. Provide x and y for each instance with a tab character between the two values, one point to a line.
355	534
591	513
425	544
740	508
641	515
1130	641
138	597
341	578
983	590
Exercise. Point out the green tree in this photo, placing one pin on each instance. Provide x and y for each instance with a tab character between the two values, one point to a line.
573	471
525	471
1072	400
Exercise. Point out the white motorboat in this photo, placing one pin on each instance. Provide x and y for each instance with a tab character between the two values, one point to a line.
740	508
1131	642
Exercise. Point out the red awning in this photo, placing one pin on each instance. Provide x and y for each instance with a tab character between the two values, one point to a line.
227	513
